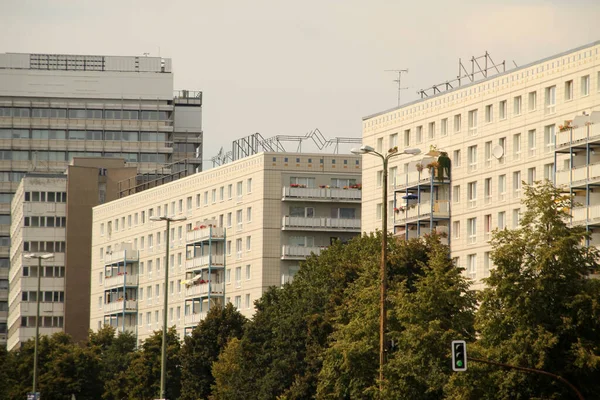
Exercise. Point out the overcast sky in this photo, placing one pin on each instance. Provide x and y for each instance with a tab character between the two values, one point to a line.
287	67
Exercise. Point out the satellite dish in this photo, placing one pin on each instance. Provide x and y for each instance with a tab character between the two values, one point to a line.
498	151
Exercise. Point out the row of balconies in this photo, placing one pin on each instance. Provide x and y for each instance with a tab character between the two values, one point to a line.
578	175
425	210
321	194
289	252
90	145
413	178
58	123
321	223
120	306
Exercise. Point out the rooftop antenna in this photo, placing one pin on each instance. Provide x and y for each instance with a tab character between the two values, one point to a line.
399	81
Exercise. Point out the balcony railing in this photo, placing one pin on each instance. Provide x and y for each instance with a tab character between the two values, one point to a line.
202	289
202	234
121	280
415	177
321	194
115	257
194	319
320	223
439	208
215	260
298	252
582	215
119	306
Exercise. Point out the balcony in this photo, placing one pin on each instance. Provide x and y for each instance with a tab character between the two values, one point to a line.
289	252
321	194
578	176
120	306
425	210
205	233
121	280
320	224
214	260
194	319
414	178
202	290
122	256
46	308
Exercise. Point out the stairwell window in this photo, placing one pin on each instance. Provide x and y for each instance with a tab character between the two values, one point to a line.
585	85
550	99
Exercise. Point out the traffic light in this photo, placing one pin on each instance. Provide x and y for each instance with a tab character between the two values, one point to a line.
459	355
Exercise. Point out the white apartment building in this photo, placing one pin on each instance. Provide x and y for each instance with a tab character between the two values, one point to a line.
498	132
54	107
248	225
38	226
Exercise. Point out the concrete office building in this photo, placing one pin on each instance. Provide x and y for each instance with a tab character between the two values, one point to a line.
498	132
39	213
249	223
54	107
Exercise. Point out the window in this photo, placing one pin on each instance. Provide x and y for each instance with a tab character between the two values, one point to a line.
472	194
457	123
489	113
486	264
248	300
517	184
532	101
456	229
516	217
248	272
238	302
228	275
517	102
407	138
249	185
456	194
229	191
530	175
229	220
472	230
517	146
393	140
585	85
487	226
206	198
238	248
238	277
378	212
102	229
488	154
569	90
502	110
550	99
379	145
472	266
239	187
248	243
419	134
249	214
501	220
549	138
379	178
487	191
472	158
502	187
456	158
431	130
502	143
531	139
239	220
443	127
472	122
301	181
214	196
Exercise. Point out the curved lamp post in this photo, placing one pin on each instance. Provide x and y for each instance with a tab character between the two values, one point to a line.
39	257
163	354
382	268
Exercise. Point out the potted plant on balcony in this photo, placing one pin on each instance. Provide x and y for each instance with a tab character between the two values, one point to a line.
566	127
419	167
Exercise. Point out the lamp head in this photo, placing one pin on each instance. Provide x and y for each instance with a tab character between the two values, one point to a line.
364	149
412	151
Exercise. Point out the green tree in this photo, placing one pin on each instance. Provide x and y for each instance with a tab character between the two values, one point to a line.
540	309
201	349
143	376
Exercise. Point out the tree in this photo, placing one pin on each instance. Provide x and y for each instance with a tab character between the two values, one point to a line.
539	309
201	349
143	375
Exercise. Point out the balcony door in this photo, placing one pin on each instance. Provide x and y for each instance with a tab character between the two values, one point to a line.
304	212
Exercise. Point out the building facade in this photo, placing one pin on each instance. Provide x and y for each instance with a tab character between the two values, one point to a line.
248	225
498	132
54	107
39	219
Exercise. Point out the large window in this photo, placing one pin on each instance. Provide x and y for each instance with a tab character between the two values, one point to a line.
301	181
343	212
550	99
472	194
549	138
585	85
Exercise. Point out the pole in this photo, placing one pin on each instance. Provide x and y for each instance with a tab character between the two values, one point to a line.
383	277
37	326
163	366
533	370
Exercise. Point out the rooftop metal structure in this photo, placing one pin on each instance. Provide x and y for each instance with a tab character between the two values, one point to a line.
256	143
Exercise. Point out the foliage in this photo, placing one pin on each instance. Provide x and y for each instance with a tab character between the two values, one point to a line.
201	349
539	310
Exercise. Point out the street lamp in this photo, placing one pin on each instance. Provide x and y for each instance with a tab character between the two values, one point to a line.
163	359
39	257
382	268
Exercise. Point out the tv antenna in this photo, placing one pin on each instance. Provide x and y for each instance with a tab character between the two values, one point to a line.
399	81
